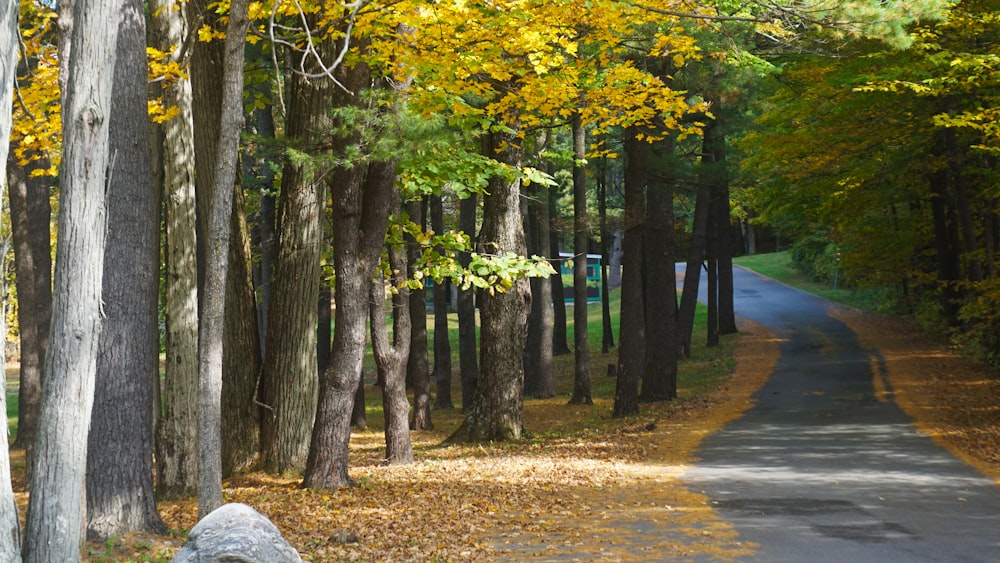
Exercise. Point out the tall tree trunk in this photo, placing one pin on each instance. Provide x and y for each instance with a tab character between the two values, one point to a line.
9	524
391	359
538	377
417	369
659	380
496	413
56	506
176	432
30	217
715	135
361	214
692	275
632	339
119	452
712	265
290	362
442	346
581	246
560	343
607	331
212	321
241	349
468	360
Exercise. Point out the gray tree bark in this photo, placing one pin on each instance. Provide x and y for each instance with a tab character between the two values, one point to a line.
210	326
496	413
9	525
119	453
442	346
290	375
56	507
391	358
177	428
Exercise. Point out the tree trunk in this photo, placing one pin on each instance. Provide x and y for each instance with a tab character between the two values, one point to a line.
391	359
241	350
496	413
361	214
212	321
56	507
9	524
659	380
538	376
119	461
176	432
468	360
290	363
692	275
716	151
560	343
632	339
607	330
417	369
581	246
712	265
442	346
30	217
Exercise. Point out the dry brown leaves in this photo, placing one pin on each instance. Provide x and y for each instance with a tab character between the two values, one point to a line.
611	493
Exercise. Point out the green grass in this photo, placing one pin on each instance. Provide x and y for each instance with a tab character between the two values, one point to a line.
779	266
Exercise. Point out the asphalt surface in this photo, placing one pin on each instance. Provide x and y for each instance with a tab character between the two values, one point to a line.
825	467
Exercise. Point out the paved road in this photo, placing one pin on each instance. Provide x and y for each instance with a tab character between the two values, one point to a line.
821	469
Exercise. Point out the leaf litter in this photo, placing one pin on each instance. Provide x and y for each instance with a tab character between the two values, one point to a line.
586	487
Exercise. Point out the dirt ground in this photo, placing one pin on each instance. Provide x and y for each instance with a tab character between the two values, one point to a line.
614	494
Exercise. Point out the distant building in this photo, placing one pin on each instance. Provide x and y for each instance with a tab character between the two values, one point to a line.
593	276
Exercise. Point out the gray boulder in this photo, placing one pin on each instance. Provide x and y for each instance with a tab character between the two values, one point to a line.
236	533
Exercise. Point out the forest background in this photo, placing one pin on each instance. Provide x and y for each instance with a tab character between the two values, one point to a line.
256	160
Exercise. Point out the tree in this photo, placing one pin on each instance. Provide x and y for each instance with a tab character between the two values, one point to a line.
442	345
9	525
417	369
119	452
581	247
290	361
177	439
468	360
391	358
632	334
210	346
56	506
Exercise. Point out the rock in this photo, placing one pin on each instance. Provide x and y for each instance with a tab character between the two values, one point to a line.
236	533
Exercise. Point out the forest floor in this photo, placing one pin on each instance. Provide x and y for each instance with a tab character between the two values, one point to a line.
583	486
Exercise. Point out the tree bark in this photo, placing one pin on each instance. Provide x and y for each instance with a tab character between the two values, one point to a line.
176	432
56	506
468	360
560	343
361	214
119	461
607	330
417	369
632	339
30	217
442	345
538	377
581	246
9	524
692	275
211	323
716	151
659	380
290	362
391	358
496	413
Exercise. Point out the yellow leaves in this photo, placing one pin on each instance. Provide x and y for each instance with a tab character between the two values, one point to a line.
206	34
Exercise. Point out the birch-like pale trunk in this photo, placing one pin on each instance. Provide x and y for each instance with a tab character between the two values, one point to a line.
56	508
